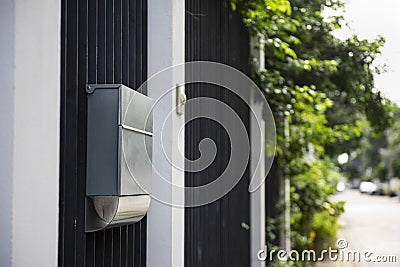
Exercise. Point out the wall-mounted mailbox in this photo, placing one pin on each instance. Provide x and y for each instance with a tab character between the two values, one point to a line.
119	145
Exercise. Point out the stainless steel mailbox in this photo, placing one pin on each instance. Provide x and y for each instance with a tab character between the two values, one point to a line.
119	145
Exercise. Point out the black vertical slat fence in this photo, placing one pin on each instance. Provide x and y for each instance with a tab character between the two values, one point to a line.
214	233
102	41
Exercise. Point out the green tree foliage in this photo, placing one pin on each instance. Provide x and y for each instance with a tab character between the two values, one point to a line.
314	216
303	56
377	155
324	86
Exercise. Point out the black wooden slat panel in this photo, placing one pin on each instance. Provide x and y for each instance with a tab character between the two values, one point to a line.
101	41
132	42
125	41
99	249
92	41
90	248
108	247
124	246
213	233
82	78
130	245
68	125
143	71
140	231
109	41
116	246
117	42
99	44
138	39
63	157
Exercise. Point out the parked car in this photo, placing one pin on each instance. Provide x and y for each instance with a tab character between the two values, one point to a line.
394	186
379	189
385	188
391	187
367	187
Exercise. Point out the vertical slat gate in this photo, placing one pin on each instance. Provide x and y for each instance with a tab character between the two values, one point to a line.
102	41
214	235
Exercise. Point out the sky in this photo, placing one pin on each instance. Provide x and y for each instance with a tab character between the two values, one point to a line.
369	18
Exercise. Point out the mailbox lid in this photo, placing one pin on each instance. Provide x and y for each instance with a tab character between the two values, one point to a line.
135	110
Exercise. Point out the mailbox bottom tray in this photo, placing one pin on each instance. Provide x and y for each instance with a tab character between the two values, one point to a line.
109	211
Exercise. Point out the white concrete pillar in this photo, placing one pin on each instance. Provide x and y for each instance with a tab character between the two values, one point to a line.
166	47
29	131
7	28
257	198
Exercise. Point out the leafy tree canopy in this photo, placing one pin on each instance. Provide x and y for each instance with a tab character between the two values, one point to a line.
325	84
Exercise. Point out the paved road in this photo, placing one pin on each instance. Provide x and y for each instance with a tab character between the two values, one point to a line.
370	223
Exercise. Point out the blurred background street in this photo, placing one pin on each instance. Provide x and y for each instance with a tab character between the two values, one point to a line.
369	223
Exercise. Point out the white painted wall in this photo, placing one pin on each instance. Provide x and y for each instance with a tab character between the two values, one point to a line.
166	47
29	139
